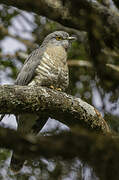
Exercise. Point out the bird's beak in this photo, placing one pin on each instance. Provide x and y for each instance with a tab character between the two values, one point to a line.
72	38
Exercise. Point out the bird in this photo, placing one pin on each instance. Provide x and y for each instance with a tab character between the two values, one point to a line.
45	66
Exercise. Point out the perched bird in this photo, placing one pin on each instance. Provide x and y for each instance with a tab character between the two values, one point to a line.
45	66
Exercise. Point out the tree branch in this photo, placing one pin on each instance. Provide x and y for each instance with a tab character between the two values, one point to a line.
116	3
78	14
99	151
65	108
80	63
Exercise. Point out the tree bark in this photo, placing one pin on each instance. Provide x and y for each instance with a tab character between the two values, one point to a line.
61	106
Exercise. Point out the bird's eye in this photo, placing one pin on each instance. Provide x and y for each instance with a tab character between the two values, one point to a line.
59	38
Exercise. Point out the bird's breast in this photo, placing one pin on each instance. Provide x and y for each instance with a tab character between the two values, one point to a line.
53	69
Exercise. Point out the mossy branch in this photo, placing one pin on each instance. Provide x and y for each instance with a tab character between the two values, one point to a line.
67	109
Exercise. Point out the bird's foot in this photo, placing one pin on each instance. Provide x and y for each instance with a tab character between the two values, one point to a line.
58	89
52	87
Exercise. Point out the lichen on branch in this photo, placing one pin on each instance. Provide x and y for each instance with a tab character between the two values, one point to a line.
67	109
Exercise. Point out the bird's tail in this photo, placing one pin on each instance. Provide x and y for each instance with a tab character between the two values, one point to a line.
25	127
16	163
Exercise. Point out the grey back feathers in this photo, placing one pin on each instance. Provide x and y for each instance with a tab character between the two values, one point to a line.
28	70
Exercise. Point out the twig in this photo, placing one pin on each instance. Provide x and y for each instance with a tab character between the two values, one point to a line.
77	62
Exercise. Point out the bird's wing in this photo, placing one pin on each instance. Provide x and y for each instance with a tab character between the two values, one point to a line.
28	70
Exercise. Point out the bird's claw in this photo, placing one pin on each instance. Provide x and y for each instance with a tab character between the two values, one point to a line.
52	87
58	89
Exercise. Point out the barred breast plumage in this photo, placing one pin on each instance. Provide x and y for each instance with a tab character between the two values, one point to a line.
52	69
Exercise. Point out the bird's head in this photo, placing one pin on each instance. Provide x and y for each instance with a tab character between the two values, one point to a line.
59	38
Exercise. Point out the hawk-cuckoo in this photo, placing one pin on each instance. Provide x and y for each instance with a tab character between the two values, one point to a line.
46	66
